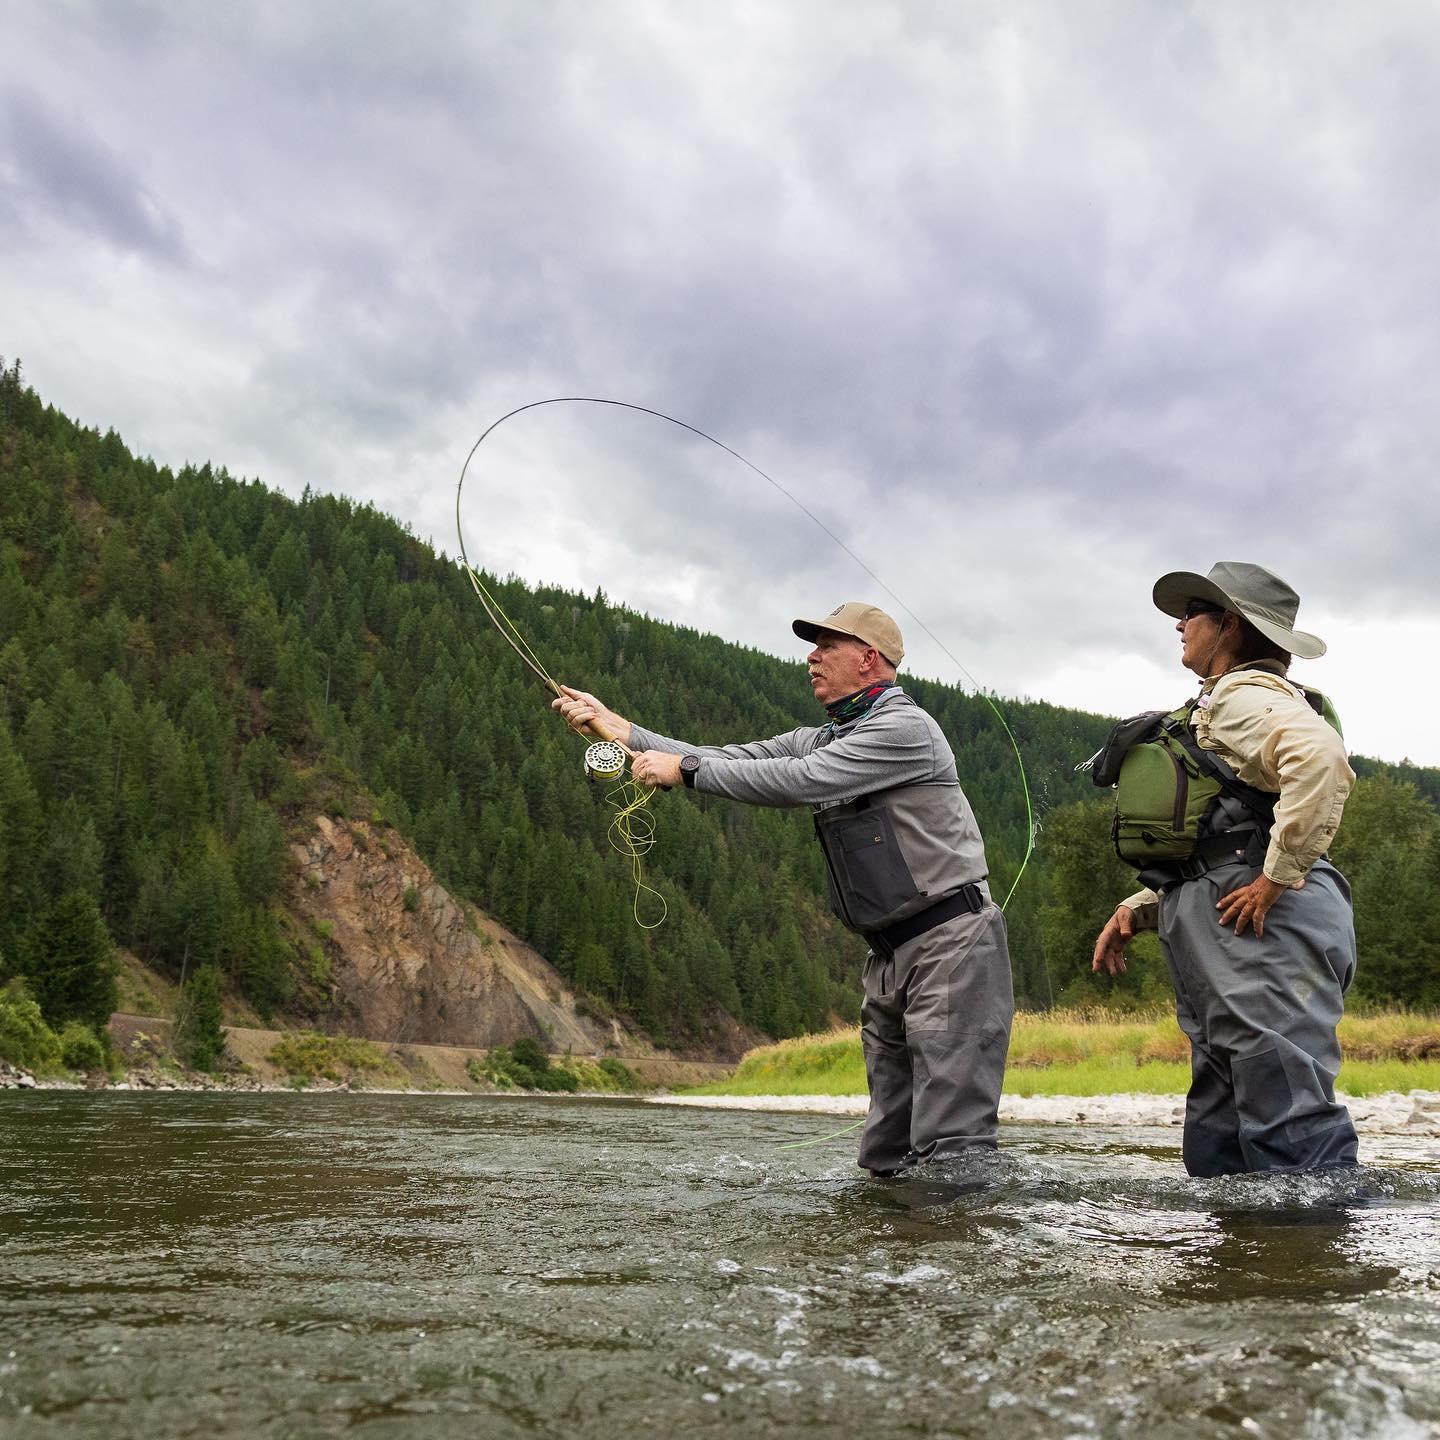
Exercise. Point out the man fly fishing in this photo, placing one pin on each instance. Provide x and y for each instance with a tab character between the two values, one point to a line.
907	871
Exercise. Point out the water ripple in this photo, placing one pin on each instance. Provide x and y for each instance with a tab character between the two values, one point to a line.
216	1265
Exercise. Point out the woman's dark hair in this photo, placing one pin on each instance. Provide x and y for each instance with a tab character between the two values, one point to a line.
1255	646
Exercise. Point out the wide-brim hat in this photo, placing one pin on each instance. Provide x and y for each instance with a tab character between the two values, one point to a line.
864	622
1262	597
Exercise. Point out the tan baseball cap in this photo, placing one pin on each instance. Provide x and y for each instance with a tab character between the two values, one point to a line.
865	622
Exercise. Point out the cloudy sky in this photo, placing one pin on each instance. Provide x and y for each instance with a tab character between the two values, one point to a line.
1027	302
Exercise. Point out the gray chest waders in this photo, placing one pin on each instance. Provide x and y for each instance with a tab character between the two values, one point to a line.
1260	1011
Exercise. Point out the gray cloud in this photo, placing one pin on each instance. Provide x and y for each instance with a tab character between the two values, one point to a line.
63	173
1029	302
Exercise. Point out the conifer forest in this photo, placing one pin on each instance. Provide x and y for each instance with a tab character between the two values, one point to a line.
193	665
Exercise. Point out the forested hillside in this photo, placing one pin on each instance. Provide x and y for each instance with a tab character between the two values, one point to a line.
190	663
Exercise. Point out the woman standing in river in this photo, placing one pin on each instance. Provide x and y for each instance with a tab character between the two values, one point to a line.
1256	925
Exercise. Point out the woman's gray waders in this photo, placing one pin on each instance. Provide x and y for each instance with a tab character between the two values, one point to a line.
1261	1013
935	1025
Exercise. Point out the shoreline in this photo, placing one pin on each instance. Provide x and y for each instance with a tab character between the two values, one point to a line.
1416	1112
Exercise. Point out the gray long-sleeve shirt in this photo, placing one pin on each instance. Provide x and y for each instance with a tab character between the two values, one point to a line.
894	744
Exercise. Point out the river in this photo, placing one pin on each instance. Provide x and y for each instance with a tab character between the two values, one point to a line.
311	1265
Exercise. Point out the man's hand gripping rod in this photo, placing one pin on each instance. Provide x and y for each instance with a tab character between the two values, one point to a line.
605	759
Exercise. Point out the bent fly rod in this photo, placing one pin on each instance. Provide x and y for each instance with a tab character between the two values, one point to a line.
632	830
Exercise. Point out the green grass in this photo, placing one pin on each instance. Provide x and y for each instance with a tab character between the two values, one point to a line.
809	1065
1119	1077
1084	1053
1380	1077
1391	1035
603	1076
1100	1075
305	1056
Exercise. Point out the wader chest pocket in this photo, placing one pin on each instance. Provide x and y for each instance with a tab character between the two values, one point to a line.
867	867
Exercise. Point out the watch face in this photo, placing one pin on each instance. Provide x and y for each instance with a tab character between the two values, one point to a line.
690	763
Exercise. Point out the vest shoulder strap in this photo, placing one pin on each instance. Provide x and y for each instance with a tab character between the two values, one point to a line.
1209	763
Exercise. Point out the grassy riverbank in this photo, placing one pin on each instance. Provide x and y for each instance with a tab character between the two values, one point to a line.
1083	1053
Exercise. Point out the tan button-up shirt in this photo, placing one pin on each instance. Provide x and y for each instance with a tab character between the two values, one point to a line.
1264	729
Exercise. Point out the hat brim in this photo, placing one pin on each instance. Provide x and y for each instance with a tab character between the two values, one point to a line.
1173	592
812	629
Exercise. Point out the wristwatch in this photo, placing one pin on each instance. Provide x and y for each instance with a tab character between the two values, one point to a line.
689	768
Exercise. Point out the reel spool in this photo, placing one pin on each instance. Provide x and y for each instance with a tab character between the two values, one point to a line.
604	760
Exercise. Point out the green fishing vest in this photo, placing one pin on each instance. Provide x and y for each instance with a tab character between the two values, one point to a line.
1166	784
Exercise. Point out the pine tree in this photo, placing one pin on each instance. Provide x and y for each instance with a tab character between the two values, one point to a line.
67	957
199	1040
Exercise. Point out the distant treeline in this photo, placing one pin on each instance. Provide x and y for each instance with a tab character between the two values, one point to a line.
191	665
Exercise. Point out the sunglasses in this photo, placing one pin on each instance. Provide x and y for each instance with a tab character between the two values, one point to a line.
1201	607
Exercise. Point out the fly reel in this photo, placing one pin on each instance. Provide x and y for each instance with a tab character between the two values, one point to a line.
604	760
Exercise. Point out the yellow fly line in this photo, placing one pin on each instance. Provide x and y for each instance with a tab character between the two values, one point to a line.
632	831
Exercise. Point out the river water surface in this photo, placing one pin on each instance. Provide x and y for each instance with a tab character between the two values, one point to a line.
310	1265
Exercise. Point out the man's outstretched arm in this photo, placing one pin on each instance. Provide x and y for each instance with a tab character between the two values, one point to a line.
886	750
581	709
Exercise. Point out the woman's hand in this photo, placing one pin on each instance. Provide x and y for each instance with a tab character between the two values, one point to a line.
1119	931
1250	904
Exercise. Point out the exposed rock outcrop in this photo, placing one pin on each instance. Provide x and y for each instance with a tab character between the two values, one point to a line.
13	1078
410	963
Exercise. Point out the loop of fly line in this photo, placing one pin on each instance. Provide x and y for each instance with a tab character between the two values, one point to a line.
632	827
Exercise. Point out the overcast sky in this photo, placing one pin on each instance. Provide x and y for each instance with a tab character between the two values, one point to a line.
1027	302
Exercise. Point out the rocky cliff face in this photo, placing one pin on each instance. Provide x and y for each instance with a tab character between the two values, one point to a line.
410	963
